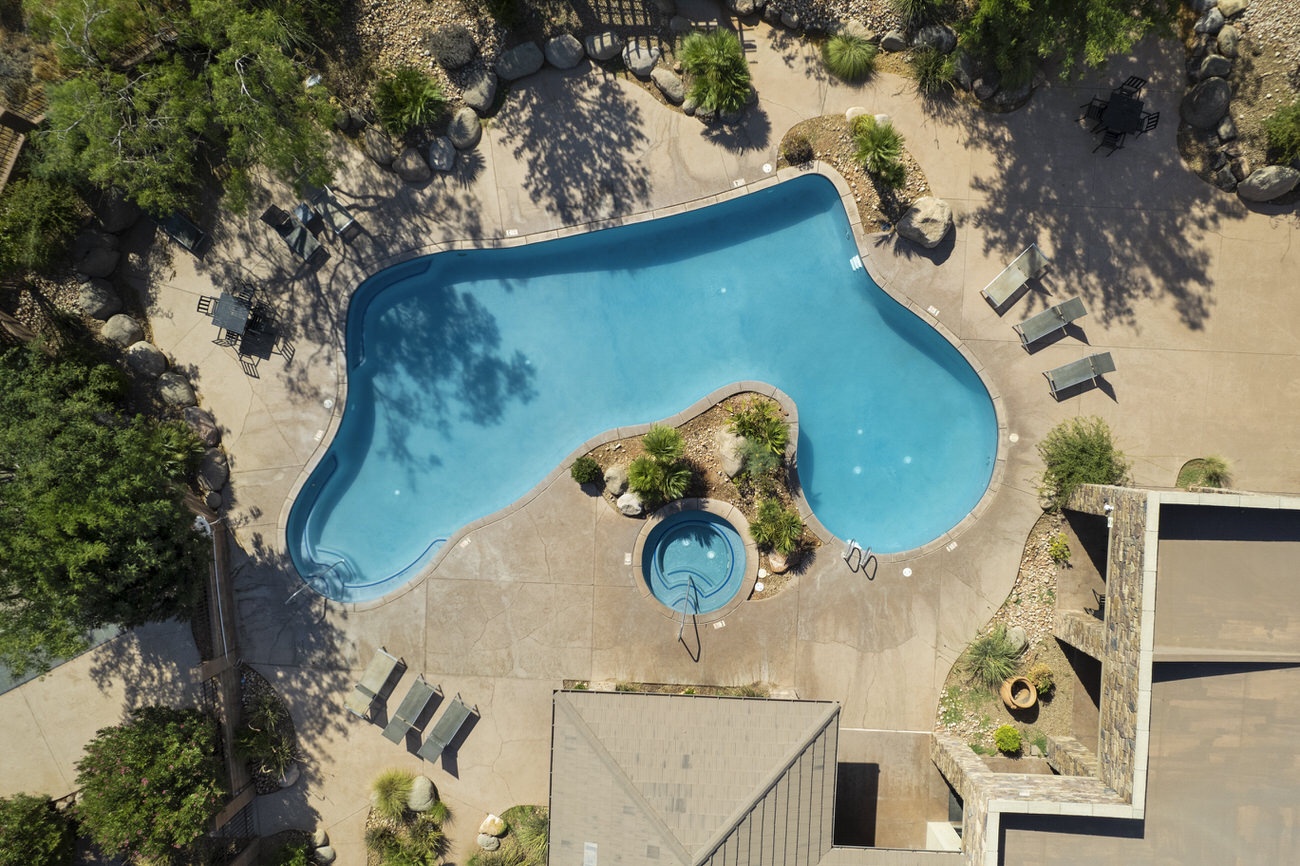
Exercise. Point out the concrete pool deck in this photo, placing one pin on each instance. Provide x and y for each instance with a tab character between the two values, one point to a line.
1192	293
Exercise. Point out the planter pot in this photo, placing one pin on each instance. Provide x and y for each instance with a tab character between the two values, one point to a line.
1018	693
290	776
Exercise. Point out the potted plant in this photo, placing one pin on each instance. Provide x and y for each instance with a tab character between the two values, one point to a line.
1018	693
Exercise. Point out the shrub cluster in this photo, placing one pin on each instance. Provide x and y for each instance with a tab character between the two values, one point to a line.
1283	130
407	98
660	475
719	74
777	527
880	150
1079	451
1007	739
849	57
1043	679
760	421
398	836
586	470
1059	549
797	149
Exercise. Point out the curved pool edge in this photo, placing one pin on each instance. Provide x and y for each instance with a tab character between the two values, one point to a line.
860	240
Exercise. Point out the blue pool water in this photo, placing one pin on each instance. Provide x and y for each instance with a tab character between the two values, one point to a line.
472	374
694	561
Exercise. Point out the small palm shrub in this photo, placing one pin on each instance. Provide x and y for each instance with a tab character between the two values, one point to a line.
849	57
757	460
719	74
585	470
760	421
658	482
1007	739
933	69
407	98
916	13
776	527
1079	451
880	150
797	149
664	444
389	793
1215	472
991	657
1283	130
1043	679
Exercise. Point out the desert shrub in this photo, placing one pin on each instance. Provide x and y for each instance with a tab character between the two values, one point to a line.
585	470
753	690
663	443
506	855
658	482
933	70
849	57
1215	472
916	13
776	527
719	74
266	737
991	657
530	828
1079	451
398	836
760	421
33	832
390	791
37	221
407	98
1043	679
293	854
1059	549
452	46
757	460
797	149
1007	739
879	149
1283	130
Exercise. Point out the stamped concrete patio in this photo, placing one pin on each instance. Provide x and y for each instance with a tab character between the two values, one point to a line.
1190	291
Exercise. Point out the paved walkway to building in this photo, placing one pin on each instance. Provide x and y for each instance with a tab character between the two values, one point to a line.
1189	290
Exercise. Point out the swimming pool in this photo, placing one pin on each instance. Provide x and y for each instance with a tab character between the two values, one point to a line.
694	562
472	374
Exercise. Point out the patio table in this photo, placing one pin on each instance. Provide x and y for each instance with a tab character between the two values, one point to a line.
231	313
1123	113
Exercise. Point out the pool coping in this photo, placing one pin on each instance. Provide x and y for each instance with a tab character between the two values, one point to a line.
947	539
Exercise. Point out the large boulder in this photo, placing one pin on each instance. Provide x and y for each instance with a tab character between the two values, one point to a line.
520	61
203	426
616	480
1214	66
640	57
937	36
442	154
894	40
175	390
488	843
741	7
1227	129
1232	8
325	855
1269	182
564	51
116	214
1210	23
146	359
1206	103
481	90
422	795
97	299
1008	98
966	69
378	146
492	826
452	46
465	130
670	85
319	838
1229	41
926	222
122	330
94	253
411	167
630	504
214	471
604	46
729	446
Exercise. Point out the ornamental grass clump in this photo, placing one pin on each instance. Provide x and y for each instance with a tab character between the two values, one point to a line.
1079	451
849	57
719	74
933	69
991	657
879	150
398	835
407	98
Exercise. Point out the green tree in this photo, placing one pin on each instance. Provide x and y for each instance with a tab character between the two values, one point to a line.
151	786
33	832
719	74
93	528
1079	451
88	33
37	221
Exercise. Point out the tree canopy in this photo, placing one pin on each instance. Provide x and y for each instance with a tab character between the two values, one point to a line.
93	527
33	832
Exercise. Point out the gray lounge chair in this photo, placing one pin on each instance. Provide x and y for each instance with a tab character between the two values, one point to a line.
416	701
1027	266
1049	321
332	211
448	726
1078	372
374	683
296	236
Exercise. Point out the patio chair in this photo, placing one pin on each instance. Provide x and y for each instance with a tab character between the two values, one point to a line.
1049	321
1150	120
374	682
413	706
448	726
1027	266
332	211
296	235
206	303
1077	372
1133	85
1092	112
1110	140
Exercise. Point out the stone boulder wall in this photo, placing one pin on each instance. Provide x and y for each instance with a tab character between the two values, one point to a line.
1268	183
520	62
97	299
480	91
1206	103
564	51
146	359
122	330
411	167
465	130
927	222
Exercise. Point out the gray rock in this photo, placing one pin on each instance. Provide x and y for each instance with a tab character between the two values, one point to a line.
442	154
520	61
894	40
854	112
116	214
146	359
741	7
1232	8
97	298
1241	168
604	46
1229	41
1202	6
1206	103
203	425
937	36
122	330
492	826
1013	97
630	504
378	146
926	222
1210	23
1269	182
666	7
88	240
729	447
348	120
452	46
564	51
99	262
481	90
670	85
678	24
488	843
688	106
320	838
1214	66
422	795
966	68
986	86
411	167
791	19
214	500
214	471
325	855
616	480
465	130
175	389
640	57
1227	129
1017	637
1225	180
858	30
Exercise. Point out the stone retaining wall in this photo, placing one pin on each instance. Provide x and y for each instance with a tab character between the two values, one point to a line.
1080	630
1069	757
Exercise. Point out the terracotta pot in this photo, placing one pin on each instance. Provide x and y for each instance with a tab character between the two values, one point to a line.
1018	693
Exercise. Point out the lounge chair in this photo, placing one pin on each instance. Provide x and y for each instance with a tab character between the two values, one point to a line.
1078	372
1027	266
296	236
413	705
184	232
448	726
1049	321
331	210
374	683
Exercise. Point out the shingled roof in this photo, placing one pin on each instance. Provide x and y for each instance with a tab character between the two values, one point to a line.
678	780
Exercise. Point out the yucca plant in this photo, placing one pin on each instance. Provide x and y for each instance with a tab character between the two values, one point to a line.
719	73
849	57
407	98
776	527
991	657
880	149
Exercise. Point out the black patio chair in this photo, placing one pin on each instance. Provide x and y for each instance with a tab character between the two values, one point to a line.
1132	85
1093	110
1110	140
261	318
1150	120
244	290
226	338
205	304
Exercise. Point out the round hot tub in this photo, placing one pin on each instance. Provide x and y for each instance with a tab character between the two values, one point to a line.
694	562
